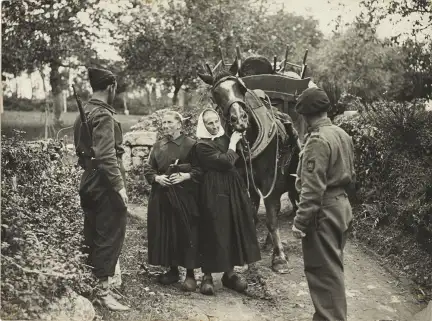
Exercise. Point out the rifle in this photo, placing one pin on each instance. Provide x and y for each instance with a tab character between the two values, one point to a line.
84	122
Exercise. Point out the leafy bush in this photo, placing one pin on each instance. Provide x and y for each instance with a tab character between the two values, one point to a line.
137	187
41	228
393	144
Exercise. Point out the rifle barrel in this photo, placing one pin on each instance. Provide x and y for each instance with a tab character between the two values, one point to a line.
83	118
79	103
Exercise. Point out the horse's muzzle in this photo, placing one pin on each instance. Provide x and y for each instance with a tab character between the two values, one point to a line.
240	127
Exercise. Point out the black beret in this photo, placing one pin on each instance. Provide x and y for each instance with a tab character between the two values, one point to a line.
312	101
97	76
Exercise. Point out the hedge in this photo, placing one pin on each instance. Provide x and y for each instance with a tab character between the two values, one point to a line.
393	145
41	228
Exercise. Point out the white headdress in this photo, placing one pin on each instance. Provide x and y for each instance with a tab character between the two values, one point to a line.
202	132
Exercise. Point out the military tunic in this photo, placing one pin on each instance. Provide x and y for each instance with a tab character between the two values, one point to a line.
325	172
172	232
104	210
227	232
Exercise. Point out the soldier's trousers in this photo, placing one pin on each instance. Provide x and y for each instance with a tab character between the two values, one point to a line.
323	257
104	232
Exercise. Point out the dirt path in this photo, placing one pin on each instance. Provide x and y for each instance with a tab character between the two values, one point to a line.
373	294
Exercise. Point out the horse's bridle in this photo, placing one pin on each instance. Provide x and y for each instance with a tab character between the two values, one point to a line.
225	107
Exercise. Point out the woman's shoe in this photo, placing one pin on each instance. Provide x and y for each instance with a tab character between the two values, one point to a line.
234	283
169	277
189	284
207	286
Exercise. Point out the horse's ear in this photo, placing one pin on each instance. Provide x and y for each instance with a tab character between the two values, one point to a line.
208	79
234	67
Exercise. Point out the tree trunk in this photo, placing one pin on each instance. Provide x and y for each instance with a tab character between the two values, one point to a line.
153	97
1	100
57	92
33	87
175	98
187	98
16	86
64	94
177	86
122	98
148	96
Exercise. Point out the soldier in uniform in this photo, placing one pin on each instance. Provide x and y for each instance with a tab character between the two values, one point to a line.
325	175
102	188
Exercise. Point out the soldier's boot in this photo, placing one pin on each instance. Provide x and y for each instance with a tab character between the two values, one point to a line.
108	301
116	280
106	298
116	294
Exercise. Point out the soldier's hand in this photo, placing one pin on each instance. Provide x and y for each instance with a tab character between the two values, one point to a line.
123	195
297	233
163	180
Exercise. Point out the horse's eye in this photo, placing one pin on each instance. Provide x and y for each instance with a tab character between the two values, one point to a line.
244	116
233	118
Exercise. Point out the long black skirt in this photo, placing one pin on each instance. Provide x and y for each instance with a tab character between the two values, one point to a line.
172	237
227	231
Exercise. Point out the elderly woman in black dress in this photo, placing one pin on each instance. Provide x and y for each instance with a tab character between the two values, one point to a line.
227	231
172	207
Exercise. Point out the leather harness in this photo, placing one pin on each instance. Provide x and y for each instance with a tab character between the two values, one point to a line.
268	126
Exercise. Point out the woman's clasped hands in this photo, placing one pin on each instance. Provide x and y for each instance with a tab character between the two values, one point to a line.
172	179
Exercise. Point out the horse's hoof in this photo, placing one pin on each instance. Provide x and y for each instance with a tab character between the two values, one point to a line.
280	265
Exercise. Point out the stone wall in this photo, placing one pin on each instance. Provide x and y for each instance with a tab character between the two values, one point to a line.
139	141
137	146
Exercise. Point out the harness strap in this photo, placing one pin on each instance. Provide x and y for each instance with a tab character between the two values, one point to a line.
229	104
251	166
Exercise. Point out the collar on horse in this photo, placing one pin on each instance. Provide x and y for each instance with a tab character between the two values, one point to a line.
268	125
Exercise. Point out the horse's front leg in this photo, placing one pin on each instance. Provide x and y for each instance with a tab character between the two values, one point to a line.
279	260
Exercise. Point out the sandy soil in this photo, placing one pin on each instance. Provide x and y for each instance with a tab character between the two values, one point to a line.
372	292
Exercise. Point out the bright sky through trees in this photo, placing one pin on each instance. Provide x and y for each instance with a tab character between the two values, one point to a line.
325	11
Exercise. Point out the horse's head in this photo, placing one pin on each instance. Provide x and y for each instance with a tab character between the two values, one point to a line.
228	92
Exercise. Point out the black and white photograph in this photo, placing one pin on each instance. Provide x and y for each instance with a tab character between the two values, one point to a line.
216	160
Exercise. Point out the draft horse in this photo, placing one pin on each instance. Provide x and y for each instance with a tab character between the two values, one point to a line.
267	169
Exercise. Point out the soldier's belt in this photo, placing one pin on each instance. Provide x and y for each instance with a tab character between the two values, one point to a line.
334	191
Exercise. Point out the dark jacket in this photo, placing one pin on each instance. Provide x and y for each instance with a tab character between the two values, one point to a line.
107	138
